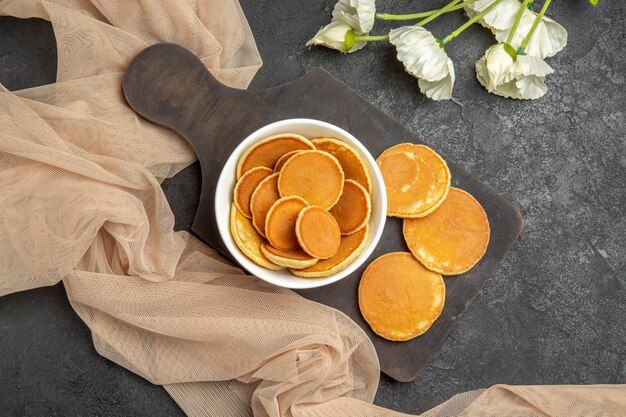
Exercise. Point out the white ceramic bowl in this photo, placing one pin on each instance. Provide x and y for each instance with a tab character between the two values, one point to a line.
310	129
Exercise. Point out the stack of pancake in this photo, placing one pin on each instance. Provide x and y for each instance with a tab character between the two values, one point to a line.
301	204
401	294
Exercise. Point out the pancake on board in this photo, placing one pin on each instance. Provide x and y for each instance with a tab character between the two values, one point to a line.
248	240
400	171
427	193
353	166
246	186
266	152
399	298
349	249
280	223
318	232
315	176
453	238
262	199
353	209
295	259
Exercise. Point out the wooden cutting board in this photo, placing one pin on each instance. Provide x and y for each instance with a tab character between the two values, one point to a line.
168	85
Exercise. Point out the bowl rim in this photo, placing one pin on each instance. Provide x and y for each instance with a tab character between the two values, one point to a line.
269	275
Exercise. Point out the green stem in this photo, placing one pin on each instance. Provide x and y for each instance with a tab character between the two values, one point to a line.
524	44
388	16
438	13
469	23
371	38
517	20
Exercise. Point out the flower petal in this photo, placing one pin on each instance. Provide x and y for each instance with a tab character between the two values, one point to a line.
439	90
549	37
531	87
530	65
333	36
481	72
500	17
508	90
499	64
359	14
420	53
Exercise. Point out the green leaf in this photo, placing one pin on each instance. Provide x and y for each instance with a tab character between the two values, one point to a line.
594	2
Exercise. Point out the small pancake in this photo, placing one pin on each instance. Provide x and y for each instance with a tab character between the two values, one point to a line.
353	166
318	232
262	199
266	152
453	238
350	248
280	223
399	298
428	199
295	259
246	186
315	176
353	209
400	171
248	240
281	161
414	199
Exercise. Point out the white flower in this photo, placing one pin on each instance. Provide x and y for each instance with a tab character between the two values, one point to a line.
549	37
359	14
522	78
423	58
337	35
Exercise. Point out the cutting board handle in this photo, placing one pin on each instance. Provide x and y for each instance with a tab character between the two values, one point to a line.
169	81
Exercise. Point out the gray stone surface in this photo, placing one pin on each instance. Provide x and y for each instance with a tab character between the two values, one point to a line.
554	312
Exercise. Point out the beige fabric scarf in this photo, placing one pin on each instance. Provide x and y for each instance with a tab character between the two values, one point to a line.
81	202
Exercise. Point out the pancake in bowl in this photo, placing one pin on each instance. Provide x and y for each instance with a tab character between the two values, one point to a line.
353	209
280	223
268	151
262	199
315	176
349	249
353	166
318	232
248	240
246	186
295	259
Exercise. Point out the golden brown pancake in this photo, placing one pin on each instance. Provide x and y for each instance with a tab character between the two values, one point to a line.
353	209
428	196
318	232
281	161
262	199
453	238
247	239
266	152
315	176
246	186
414	201
349	249
400	171
353	166
399	298
280	223
296	259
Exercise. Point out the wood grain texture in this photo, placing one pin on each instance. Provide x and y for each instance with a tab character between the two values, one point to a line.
168	85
